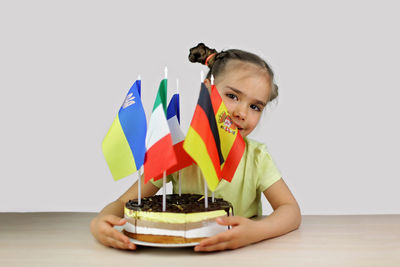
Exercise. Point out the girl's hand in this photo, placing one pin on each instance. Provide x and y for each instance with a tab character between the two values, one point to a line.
243	233
102	228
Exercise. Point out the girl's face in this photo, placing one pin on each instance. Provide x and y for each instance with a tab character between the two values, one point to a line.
245	90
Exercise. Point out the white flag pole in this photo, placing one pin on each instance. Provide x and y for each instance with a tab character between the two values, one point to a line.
164	197
205	193
140	173
212	83
180	183
179	172
164	204
205	182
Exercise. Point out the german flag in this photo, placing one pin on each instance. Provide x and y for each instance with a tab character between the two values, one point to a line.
202	141
213	141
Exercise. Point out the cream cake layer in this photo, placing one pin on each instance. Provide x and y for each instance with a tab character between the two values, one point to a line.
185	219
188	230
173	217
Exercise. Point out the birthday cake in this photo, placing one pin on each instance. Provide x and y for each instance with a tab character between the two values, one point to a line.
185	219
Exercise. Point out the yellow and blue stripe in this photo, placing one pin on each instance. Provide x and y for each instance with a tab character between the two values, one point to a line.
124	146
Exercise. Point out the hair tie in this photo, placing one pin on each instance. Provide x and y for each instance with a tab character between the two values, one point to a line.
208	58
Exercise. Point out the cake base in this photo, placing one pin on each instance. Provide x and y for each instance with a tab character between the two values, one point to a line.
185	219
163	239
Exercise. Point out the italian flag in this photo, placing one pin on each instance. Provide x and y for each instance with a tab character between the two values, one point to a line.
160	155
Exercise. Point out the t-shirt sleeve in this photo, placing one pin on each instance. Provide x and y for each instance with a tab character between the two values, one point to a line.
267	170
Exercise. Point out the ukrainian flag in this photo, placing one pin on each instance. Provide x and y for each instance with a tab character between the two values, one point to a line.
124	145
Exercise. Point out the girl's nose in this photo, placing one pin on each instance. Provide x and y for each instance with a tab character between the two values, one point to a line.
239	112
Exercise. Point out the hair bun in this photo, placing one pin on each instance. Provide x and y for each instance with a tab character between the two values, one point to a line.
200	53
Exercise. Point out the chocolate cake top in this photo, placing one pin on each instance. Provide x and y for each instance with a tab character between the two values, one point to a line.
186	203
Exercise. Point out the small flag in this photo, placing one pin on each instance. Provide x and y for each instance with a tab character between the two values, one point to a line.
173	119
174	108
202	141
160	155
232	143
124	145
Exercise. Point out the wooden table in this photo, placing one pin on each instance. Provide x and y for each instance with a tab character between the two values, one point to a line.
64	239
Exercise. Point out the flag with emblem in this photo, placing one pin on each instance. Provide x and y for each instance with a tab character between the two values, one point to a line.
231	141
124	145
160	155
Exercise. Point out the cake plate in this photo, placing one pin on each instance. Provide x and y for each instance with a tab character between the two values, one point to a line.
162	245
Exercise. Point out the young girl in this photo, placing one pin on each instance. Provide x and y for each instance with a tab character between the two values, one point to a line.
246	84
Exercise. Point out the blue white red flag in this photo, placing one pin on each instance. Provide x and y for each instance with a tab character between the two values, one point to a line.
173	119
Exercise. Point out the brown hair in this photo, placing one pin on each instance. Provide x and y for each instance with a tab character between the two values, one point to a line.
217	62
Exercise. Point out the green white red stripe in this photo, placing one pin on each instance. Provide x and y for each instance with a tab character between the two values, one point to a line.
160	155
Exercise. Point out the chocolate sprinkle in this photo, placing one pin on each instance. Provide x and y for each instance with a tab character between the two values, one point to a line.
186	203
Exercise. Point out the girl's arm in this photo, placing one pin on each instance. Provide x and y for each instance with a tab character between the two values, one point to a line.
286	217
102	226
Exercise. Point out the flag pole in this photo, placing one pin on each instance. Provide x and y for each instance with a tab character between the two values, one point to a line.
205	182
164	197
212	83
179	172
180	185
205	193
164	204
140	172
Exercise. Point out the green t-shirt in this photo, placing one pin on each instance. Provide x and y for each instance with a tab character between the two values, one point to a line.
255	173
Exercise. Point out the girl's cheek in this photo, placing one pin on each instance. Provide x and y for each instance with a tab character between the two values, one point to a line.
254	121
229	107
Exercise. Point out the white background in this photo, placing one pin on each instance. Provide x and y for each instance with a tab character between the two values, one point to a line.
66	66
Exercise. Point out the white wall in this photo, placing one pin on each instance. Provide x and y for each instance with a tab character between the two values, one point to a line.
66	67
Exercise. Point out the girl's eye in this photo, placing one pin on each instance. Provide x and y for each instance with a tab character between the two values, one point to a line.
255	107
232	96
